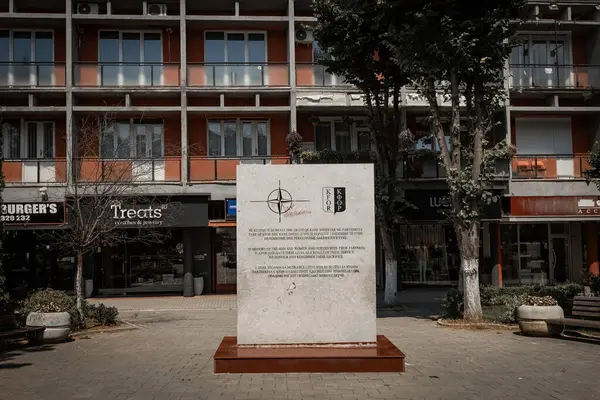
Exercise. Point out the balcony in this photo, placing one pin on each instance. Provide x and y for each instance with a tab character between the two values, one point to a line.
210	169
553	167
92	170
554	76
315	75
236	75
154	75
32	74
31	171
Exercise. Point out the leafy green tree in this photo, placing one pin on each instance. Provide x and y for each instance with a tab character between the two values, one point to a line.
352	34
454	55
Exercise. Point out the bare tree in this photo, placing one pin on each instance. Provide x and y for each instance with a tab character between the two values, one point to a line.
105	204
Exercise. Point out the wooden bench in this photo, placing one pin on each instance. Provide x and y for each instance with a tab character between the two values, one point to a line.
587	311
9	330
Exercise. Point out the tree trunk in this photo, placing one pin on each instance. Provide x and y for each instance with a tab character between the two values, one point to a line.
79	287
468	241
390	295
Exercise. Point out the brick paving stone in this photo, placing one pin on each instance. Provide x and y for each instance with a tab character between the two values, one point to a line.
170	357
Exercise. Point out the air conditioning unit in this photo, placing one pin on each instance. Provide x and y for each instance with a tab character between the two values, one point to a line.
157	10
304	36
87	8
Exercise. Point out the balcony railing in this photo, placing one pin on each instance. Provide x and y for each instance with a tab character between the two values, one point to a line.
554	76
238	74
315	75
91	170
32	74
569	166
108	74
206	169
36	170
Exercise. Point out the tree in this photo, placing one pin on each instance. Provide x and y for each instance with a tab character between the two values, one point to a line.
353	35
442	47
105	189
461	50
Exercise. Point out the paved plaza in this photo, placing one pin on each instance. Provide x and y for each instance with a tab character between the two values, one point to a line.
169	356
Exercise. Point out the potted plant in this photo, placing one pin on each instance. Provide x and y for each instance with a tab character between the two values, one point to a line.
535	311
198	284
50	308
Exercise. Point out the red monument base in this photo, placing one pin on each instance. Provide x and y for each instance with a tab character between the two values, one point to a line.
232	359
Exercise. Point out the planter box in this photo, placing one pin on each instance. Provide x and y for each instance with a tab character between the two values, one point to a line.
58	325
532	320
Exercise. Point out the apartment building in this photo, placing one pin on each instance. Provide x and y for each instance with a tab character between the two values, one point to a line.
192	89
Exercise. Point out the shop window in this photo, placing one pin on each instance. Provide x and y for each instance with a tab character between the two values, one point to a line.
133	140
226	256
525	254
232	138
428	254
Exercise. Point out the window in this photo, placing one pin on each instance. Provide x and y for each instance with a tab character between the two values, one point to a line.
541	61
30	55
39	139
133	139
237	58
130	58
12	140
427	141
238	138
338	135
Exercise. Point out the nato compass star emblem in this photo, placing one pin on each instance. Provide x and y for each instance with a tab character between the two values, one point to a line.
280	201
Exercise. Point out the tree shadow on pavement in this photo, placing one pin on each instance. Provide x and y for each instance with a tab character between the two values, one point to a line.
13	350
420	303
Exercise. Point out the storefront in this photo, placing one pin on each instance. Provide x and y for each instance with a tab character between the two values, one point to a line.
31	258
164	261
428	252
550	239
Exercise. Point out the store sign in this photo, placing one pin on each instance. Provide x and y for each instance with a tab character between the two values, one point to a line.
170	214
588	206
230	208
433	204
33	213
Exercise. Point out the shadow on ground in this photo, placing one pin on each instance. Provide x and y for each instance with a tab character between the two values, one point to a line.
11	352
420	303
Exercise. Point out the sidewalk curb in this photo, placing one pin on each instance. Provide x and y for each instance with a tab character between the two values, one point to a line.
477	325
131	327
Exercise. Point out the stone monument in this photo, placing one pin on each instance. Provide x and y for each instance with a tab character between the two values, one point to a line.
306	272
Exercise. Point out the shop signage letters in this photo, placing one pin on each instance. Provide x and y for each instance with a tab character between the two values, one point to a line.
433	203
33	213
120	213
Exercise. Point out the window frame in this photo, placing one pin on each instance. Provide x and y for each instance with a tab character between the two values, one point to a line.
239	136
32	53
25	138
353	130
142	62
132	123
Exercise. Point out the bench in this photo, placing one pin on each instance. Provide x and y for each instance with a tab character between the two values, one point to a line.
9	330
587	311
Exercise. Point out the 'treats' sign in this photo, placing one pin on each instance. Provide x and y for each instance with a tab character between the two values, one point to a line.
33	213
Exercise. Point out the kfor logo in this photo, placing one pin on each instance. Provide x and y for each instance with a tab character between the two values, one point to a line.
334	199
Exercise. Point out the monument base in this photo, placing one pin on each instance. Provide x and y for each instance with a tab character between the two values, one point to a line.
232	359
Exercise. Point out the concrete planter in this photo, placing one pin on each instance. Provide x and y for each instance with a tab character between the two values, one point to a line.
58	325
532	320
198	286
